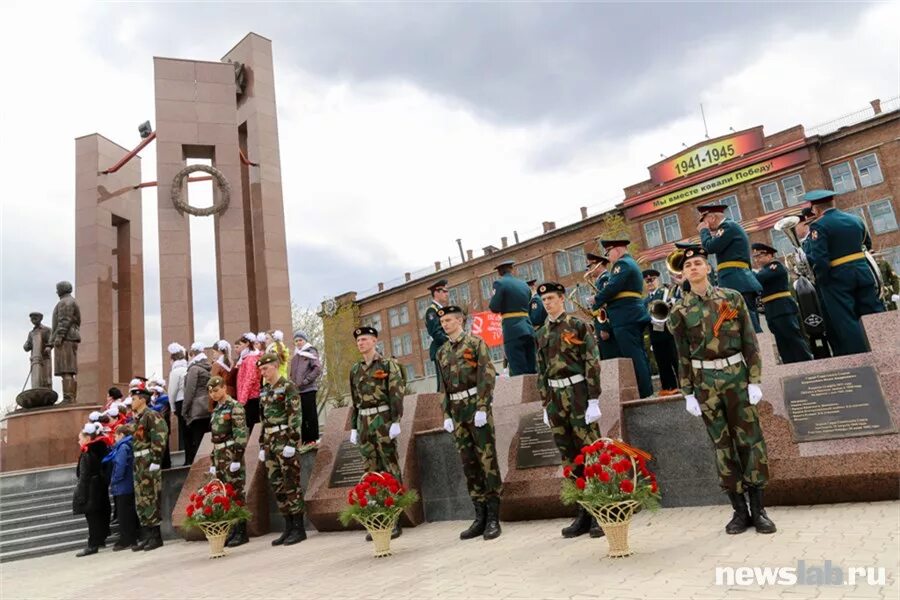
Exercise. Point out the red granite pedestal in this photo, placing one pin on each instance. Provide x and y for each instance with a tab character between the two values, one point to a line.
45	437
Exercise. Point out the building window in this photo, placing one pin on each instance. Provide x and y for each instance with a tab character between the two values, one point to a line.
399	315
487	285
430	369
422	305
571	261
842	178
379	348
496	353
771	197
671	228
410	371
459	296
882	215
782	243
892	256
531	270
425	339
733	211
869	170
660	265
652	234
860	212
372	321
793	189
401	345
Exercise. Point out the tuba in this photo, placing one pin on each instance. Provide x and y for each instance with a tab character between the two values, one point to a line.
796	262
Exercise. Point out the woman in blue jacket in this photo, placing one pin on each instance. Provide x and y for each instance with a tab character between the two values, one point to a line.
121	486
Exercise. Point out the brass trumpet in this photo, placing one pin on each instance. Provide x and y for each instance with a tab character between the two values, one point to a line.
675	261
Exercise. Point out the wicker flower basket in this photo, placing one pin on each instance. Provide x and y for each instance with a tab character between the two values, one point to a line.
216	533
614	519
380	526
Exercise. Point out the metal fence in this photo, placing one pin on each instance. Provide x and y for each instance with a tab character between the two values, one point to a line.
853	118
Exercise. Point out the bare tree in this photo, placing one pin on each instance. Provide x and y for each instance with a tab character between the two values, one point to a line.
308	321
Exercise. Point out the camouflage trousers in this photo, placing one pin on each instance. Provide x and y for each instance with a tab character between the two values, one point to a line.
284	475
565	411
378	450
147	491
478	454
221	460
733	426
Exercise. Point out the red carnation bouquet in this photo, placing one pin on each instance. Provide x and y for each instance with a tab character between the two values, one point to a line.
610	471
215	502
376	494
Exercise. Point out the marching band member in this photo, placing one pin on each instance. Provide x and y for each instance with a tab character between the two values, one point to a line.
661	341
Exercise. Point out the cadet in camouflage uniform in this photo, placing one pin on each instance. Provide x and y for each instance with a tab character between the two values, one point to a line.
150	438
464	365
228	429
569	384
279	438
376	389
720	370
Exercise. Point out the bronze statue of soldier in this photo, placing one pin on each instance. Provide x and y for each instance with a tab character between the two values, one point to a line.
38	344
65	339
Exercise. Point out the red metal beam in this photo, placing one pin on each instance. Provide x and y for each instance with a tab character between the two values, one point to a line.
130	155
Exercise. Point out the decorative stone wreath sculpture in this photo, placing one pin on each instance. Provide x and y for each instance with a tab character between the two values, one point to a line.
217	207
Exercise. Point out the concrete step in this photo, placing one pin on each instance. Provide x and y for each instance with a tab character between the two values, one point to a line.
36	508
28	528
36	519
36	493
41	540
67	546
36	498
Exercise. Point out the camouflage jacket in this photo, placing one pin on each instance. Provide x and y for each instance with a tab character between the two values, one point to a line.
715	325
464	364
279	404
375	385
567	347
151	433
229	422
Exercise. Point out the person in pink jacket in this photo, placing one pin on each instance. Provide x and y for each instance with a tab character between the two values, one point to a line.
248	378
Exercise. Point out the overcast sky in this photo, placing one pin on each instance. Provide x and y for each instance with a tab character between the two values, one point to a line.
404	127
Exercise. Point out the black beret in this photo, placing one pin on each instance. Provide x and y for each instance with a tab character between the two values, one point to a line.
551	286
365	330
449	310
693	251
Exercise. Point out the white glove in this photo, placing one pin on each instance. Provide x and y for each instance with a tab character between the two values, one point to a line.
546	418
154	467
480	418
895	298
212	470
288	451
394	431
354	437
234	467
691	405
592	413
755	393
448	425
262	456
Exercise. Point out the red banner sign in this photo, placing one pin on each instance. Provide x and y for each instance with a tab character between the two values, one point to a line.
707	155
488	326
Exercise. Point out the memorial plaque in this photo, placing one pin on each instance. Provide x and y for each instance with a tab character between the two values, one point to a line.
837	404
348	466
536	445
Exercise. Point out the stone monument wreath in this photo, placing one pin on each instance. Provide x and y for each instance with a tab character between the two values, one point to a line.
217	207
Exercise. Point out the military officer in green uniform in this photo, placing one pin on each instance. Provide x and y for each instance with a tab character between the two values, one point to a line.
511	299
150	438
440	295
536	313
845	281
623	296
279	437
729	242
720	371
569	384
598	266
229	435
376	391
661	341
782	312
464	363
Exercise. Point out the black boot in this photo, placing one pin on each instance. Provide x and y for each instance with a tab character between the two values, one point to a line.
580	526
88	551
740	520
240	535
231	533
596	530
154	539
298	531
398	531
141	539
492	526
288	526
477	526
760	519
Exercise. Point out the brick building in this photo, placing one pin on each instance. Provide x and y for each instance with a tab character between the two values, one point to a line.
761	177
